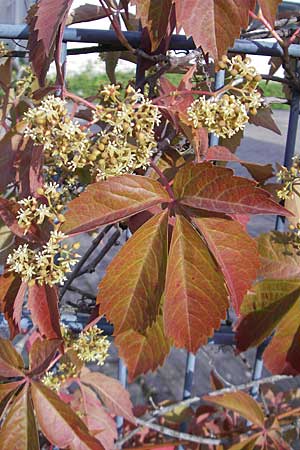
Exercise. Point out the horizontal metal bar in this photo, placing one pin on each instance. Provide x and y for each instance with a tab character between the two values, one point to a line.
109	40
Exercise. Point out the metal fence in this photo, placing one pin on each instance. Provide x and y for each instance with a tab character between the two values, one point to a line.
107	41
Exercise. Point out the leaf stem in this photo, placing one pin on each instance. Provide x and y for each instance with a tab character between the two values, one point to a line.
163	180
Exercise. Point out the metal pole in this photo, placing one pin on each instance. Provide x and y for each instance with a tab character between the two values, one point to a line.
109	40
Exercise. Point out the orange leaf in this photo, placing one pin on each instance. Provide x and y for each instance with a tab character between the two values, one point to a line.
236	253
240	402
111	201
143	351
195	296
130	293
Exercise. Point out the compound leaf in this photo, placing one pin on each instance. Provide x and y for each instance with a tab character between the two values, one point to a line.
11	363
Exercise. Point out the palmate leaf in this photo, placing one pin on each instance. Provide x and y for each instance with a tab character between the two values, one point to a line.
59	423
111	201
131	291
240	402
213	188
143	351
19	431
235	252
196	298
41	354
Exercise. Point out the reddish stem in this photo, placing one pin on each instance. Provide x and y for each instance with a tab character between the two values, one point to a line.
293	37
78	99
269	27
163	180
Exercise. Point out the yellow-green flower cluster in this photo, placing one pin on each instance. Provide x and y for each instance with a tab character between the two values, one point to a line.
89	346
65	144
23	86
223	116
227	113
128	141
35	210
47	265
63	372
290	179
3	50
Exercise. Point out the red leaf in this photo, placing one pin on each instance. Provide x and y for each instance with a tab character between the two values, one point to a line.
154	15
29	169
130	292
11	363
240	402
279	258
111	392
143	351
43	304
264	308
195	295
219	153
100	424
283	353
213	24
19	431
236	253
8	148
269	9
41	354
213	188
59	423
111	201
264	119
11	301
7	389
44	20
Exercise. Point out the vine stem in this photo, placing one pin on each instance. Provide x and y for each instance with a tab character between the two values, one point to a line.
163	179
147	421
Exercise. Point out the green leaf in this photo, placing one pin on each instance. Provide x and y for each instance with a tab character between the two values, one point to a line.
241	403
235	251
111	201
131	290
263	308
11	363
279	258
212	188
143	351
19	431
59	423
196	298
112	393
